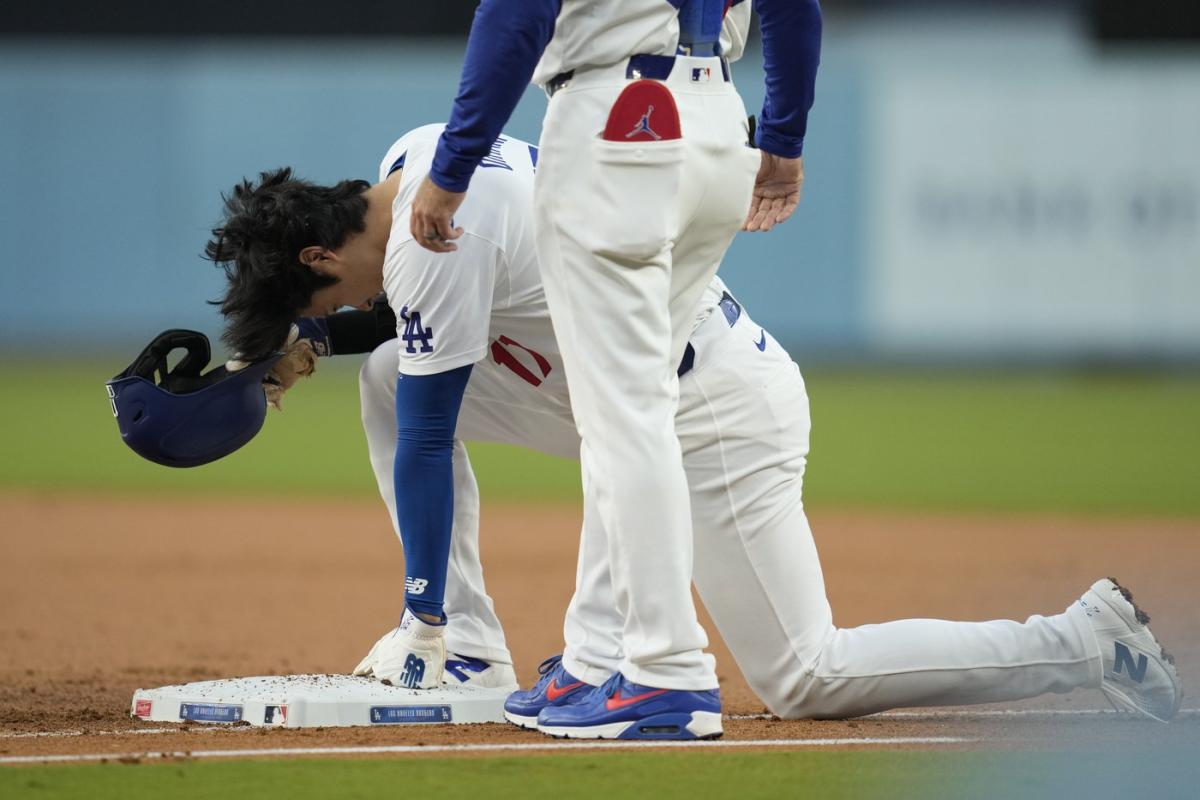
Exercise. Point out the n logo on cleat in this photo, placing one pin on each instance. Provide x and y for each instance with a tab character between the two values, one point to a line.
1136	670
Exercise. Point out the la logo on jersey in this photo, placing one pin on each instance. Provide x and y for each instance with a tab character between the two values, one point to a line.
415	332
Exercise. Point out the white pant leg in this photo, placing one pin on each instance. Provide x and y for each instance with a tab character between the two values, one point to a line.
472	626
592	628
744	424
612	285
499	408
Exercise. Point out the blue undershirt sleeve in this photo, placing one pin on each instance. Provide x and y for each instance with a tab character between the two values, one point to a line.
507	39
791	40
426	415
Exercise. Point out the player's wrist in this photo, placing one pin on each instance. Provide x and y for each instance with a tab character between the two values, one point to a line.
454	184
422	624
316	331
778	144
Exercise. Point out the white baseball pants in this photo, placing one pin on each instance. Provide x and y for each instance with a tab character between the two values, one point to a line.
628	235
743	423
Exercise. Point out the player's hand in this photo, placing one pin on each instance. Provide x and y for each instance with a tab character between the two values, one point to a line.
432	217
776	192
307	339
412	655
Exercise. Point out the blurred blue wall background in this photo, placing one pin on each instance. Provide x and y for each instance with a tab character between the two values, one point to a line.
979	186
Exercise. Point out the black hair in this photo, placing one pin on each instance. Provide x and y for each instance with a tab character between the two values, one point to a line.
258	245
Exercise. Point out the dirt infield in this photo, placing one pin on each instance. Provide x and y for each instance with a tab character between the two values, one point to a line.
101	597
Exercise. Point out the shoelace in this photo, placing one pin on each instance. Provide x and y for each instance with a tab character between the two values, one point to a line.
610	685
546	670
548	664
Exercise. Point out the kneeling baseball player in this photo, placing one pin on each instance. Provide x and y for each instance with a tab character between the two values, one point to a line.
472	357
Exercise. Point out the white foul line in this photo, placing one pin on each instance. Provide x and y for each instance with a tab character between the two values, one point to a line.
483	748
988	714
984	714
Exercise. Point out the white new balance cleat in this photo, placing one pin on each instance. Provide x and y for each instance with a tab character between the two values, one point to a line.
1139	675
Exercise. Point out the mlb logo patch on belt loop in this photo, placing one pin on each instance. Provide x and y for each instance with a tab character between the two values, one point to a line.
701	74
644	112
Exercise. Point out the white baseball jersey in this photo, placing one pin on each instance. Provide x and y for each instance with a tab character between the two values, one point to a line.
599	33
484	302
486	299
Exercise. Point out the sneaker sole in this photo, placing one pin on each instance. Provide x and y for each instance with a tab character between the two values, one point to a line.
699	725
529	723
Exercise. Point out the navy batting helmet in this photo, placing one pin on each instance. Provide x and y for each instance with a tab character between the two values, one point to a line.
186	419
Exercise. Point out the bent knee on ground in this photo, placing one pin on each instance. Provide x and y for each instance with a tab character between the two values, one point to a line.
794	687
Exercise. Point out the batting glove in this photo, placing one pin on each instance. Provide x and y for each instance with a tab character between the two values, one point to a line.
412	655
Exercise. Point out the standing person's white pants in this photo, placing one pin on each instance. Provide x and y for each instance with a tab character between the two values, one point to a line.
628	235
743	422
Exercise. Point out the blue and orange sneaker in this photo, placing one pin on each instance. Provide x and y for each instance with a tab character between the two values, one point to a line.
553	687
621	709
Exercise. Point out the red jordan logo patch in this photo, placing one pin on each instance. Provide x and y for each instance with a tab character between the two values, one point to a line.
645	112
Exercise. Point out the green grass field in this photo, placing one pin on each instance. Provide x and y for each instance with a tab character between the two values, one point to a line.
989	442
807	774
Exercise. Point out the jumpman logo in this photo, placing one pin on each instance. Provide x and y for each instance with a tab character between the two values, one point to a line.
643	125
